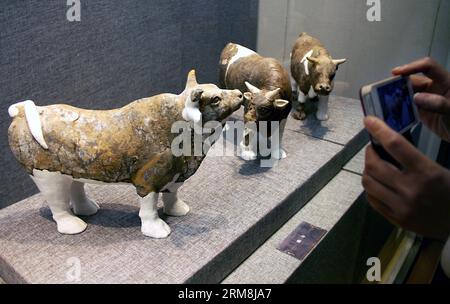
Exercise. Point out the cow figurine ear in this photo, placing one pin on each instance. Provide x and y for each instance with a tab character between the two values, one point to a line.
191	111
280	103
313	60
248	96
196	95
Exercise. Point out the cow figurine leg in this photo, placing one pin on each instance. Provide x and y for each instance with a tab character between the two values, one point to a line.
299	112
81	205
278	151
248	149
152	225
173	205
322	108
56	190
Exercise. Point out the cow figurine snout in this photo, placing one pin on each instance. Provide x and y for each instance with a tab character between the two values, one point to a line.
323	89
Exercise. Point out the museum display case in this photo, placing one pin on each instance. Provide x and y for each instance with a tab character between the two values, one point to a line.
200	141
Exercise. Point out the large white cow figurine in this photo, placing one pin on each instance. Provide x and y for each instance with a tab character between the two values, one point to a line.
62	147
314	71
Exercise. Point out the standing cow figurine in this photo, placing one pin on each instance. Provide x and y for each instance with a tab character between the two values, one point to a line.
314	71
268	93
62	147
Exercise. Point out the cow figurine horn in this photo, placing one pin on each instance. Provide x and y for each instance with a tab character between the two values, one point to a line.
191	80
272	94
339	61
252	88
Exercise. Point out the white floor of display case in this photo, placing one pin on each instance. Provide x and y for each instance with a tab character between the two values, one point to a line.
235	207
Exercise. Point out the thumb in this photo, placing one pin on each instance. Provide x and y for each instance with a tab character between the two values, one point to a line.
432	103
394	143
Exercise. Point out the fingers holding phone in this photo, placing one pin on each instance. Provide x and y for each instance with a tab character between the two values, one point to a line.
420	83
402	184
433	98
414	197
431	69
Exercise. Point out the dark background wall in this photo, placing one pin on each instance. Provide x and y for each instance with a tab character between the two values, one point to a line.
119	52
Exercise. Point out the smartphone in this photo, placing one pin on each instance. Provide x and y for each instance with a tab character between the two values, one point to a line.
391	100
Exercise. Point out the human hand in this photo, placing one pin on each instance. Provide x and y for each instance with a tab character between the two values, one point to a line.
417	198
433	98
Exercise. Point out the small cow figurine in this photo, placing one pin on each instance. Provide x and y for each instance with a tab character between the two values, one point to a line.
268	92
314	71
63	147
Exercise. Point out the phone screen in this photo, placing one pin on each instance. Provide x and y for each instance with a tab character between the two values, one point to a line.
397	104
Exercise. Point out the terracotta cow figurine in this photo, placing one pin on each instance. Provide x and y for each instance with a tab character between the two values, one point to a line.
314	71
63	147
268	92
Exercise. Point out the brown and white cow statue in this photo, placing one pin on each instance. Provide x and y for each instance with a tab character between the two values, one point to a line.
268	93
62	147
313	70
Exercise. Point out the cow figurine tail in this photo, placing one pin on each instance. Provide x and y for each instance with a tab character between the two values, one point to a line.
32	117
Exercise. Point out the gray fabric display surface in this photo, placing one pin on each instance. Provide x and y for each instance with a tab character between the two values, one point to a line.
235	207
268	265
356	164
